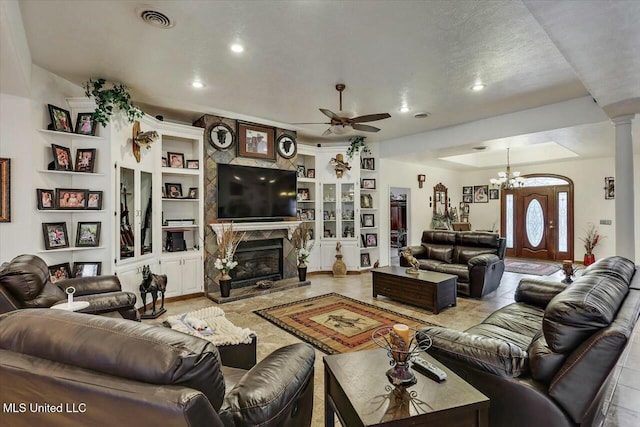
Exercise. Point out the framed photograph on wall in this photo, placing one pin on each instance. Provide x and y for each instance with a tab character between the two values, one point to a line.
176	160
287	146
55	235
173	190
86	269
46	199
5	190
71	198
88	234
609	188
60	119
94	200
494	194
365	260
467	198
256	141
85	159
221	136
61	158
368	220
86	124
467	191
480	194
60	272
368	183
368	163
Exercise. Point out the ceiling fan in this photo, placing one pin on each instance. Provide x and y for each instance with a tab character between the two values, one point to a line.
340	124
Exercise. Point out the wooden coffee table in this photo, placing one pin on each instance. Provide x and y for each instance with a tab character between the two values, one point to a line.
427	289
358	392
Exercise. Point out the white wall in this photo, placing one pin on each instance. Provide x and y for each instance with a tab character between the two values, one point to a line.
405	175
20	140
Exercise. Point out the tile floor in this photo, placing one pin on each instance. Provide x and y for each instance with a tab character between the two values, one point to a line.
623	400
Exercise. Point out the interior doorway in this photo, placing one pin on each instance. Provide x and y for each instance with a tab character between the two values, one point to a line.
398	221
537	219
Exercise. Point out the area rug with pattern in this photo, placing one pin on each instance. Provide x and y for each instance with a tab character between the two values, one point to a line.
334	323
530	267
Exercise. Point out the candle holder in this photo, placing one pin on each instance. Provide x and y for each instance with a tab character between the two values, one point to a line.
400	374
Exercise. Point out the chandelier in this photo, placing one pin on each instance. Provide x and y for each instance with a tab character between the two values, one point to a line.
507	180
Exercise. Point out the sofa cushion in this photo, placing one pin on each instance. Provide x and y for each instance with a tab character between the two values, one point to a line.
462	254
439	237
25	276
516	323
442	253
475	239
543	362
50	295
586	306
460	270
429	264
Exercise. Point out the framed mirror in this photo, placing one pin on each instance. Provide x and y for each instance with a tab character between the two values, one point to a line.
440	199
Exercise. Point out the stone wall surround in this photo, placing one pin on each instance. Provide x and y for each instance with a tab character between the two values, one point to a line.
211	158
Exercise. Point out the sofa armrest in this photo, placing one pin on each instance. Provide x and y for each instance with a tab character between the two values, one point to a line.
483	260
92	285
486	354
277	389
538	292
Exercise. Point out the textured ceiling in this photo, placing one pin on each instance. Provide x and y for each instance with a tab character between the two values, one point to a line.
425	54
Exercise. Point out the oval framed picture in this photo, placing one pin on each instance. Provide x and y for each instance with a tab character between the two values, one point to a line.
221	136
287	146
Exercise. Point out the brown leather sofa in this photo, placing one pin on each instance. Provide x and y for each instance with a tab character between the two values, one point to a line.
25	283
96	371
548	359
476	258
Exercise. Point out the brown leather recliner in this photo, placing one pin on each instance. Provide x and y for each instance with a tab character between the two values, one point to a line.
476	258
25	283
118	372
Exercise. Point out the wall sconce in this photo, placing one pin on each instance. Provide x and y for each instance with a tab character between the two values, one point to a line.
421	179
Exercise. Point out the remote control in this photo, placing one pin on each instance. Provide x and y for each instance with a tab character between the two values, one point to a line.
429	369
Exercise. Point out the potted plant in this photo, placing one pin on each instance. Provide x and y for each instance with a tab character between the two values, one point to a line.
357	145
303	244
224	263
110	98
591	240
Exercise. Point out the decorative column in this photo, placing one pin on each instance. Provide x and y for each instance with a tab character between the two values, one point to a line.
625	233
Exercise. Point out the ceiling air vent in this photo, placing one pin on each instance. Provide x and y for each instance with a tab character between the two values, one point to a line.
421	115
155	18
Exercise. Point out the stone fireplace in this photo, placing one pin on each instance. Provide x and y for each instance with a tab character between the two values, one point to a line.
257	260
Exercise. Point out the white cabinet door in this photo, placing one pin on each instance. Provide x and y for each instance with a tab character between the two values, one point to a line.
192	275
173	269
351	256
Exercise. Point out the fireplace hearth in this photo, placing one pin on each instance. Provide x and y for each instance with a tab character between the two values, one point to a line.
257	260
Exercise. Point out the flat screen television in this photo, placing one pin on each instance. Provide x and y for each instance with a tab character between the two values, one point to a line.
246	192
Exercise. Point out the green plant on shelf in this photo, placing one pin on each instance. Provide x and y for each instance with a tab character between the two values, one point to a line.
357	145
110	100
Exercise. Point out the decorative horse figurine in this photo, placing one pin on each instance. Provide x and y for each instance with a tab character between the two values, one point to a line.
411	260
152	283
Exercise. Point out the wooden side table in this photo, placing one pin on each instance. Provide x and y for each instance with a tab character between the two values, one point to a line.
358	392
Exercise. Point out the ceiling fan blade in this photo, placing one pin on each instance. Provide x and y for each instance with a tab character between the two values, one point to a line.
329	113
370	118
312	123
327	132
365	128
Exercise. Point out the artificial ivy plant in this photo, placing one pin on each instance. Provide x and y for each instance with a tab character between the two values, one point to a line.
108	101
357	144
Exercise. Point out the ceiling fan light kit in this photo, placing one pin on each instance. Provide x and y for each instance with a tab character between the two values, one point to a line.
341	123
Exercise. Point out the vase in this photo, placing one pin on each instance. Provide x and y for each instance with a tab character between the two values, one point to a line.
339	267
589	259
302	272
225	285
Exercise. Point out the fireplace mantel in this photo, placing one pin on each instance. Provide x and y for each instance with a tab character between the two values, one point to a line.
289	226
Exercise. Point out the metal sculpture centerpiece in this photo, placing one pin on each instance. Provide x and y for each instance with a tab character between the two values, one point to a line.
402	347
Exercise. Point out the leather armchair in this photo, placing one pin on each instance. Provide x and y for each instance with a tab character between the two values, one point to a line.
25	283
129	373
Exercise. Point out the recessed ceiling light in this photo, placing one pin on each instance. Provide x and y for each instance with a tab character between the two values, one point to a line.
421	115
237	48
478	87
197	84
480	148
404	109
